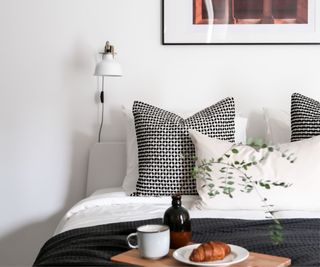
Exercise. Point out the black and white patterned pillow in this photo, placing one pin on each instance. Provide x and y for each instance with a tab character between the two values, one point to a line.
165	150
305	117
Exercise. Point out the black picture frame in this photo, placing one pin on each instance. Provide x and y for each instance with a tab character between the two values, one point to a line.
163	42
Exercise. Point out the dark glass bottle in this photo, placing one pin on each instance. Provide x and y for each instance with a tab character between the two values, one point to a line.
178	220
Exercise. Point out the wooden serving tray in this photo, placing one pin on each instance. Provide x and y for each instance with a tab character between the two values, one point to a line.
254	260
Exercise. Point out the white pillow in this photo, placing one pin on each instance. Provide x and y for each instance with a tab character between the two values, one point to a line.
278	125
303	174
240	135
132	174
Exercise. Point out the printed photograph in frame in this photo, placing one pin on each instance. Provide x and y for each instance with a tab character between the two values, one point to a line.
241	22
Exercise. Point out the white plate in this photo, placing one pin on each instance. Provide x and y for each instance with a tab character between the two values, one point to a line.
237	254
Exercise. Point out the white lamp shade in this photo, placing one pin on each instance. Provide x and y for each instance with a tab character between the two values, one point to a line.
108	66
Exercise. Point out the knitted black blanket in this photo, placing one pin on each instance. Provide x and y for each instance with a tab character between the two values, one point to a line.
93	246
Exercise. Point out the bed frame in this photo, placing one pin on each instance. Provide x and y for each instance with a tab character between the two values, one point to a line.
107	166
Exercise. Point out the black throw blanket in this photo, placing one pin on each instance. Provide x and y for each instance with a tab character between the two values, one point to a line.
93	246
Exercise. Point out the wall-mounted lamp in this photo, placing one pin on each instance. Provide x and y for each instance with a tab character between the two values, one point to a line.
108	66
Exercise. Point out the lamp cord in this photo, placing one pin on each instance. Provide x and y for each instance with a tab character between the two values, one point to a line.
102	109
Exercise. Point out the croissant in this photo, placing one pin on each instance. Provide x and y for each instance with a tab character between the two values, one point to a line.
210	251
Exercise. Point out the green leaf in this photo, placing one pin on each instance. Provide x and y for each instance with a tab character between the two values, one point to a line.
208	169
278	227
235	151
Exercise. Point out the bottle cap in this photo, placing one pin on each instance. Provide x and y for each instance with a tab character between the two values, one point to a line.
176	197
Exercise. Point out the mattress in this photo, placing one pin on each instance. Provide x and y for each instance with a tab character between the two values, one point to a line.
112	205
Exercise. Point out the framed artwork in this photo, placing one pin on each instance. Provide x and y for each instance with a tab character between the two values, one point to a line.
241	21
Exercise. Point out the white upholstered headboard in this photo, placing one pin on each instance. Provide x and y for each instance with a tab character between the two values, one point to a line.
107	166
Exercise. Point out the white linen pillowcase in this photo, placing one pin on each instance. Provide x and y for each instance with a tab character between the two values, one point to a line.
132	173
303	174
278	125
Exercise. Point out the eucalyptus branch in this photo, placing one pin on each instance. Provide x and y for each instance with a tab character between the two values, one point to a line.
228	167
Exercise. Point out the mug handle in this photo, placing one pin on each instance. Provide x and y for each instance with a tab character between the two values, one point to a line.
128	240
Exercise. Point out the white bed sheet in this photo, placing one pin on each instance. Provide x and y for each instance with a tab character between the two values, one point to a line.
113	205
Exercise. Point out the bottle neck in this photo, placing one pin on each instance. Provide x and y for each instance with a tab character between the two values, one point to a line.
176	203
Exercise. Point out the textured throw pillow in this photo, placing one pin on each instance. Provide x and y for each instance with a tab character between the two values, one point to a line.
165	150
132	173
294	163
305	117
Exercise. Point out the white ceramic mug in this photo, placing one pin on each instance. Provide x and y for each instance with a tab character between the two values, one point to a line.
153	241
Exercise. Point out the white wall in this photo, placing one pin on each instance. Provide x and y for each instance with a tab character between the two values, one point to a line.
49	114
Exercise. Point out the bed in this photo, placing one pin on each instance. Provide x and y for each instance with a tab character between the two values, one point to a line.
95	229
